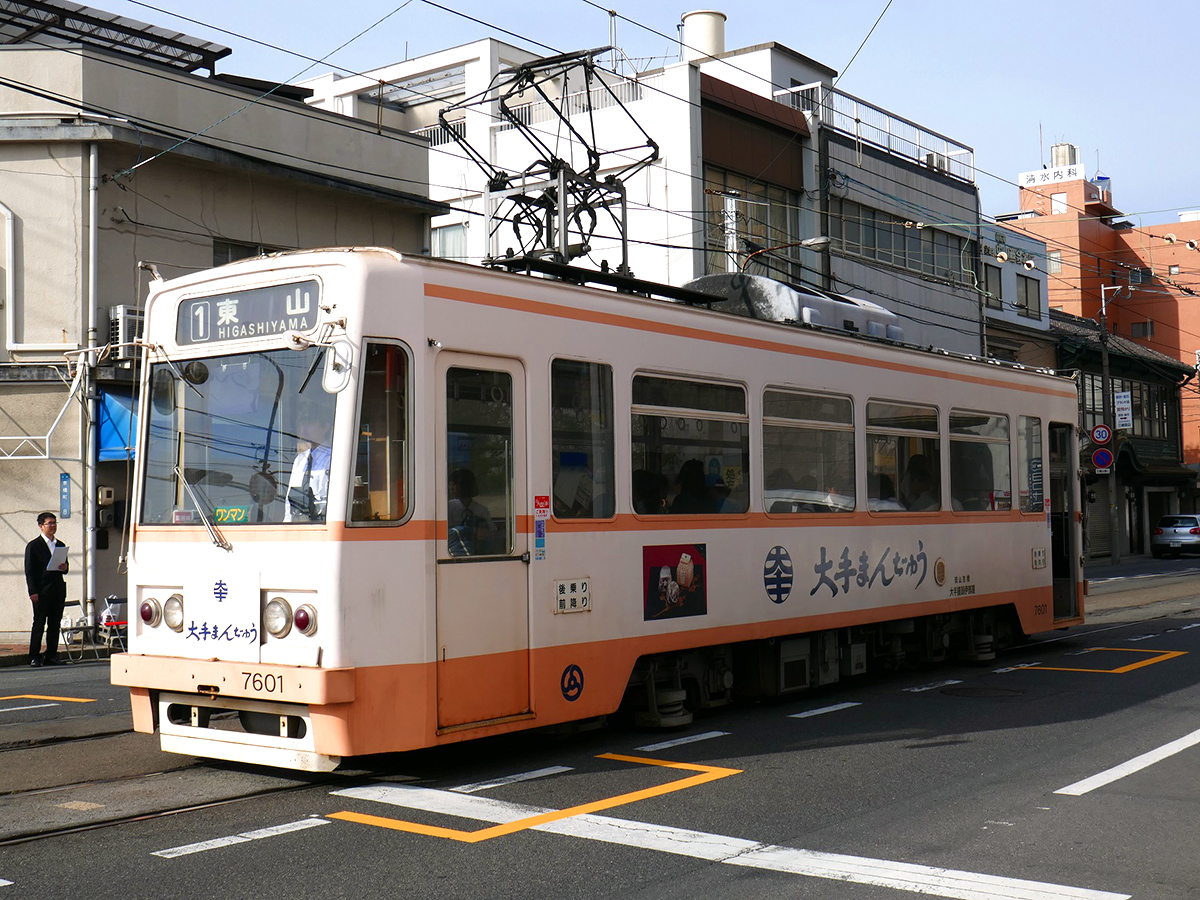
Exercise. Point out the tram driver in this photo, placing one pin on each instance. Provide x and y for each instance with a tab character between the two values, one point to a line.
308	486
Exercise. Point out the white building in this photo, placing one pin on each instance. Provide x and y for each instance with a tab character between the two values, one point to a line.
754	144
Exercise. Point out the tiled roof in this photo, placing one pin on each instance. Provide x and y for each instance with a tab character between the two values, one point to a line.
1087	331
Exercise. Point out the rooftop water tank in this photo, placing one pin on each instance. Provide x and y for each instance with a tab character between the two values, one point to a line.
703	34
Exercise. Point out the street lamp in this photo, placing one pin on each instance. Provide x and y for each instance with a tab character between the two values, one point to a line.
821	242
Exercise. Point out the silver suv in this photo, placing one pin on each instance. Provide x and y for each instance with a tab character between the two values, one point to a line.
1174	534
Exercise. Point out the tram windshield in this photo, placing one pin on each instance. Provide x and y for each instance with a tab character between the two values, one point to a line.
241	439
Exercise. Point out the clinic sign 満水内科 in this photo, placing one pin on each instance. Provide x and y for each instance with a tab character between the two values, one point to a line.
258	312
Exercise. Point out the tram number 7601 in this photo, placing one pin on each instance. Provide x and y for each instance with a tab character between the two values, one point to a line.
269	684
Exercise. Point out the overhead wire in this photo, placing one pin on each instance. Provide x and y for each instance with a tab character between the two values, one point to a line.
703	222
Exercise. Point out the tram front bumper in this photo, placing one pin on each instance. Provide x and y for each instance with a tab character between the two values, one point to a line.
185	698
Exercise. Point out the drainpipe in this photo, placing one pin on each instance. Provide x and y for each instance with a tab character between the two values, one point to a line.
88	360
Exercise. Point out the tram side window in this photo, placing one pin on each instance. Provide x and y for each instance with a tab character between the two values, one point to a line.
581	441
480	511
690	447
1029	463
379	490
808	452
979	461
903	458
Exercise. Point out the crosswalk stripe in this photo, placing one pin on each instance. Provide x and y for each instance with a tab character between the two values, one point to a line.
929	880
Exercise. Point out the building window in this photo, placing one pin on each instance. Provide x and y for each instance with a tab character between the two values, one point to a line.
1172	270
874	234
449	242
1142	329
746	210
1029	297
1058	204
1151	404
1139	275
1054	262
992	287
231	251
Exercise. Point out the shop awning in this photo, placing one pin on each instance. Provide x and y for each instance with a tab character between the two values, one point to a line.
118	426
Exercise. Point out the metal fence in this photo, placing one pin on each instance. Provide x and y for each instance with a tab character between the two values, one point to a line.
873	125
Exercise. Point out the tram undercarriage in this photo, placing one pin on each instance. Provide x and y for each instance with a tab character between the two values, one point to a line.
665	690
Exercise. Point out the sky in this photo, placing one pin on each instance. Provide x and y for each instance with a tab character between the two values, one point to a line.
1007	79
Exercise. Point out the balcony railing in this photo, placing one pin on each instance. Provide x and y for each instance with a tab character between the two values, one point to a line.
873	125
623	92
438	135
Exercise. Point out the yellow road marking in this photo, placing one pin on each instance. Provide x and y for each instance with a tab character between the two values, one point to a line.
707	774
45	697
1159	656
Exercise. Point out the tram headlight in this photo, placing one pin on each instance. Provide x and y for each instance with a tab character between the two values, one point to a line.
305	619
173	612
277	617
150	611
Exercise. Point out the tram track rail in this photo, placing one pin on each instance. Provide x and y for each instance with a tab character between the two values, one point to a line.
115	821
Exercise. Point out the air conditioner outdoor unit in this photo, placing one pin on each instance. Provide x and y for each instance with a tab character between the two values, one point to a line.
124	327
937	161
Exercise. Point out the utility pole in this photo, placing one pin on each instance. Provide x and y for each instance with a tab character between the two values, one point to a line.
1114	523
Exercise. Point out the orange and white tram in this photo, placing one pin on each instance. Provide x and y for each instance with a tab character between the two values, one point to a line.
385	503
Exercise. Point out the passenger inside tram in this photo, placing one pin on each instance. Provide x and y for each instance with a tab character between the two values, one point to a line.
919	487
649	492
469	526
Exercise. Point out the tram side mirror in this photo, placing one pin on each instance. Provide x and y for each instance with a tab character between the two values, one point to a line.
339	357
162	392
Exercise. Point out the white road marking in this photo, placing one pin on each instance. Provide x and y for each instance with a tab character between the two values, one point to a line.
1146	637
510	779
733	851
934	686
4	883
691	739
242	838
34	706
1029	665
1136	764
824	709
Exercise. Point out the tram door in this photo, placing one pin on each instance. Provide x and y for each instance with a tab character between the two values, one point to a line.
1064	555
482	571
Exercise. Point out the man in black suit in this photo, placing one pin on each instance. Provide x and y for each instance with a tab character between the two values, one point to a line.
47	590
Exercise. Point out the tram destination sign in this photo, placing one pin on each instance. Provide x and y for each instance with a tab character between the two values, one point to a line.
257	312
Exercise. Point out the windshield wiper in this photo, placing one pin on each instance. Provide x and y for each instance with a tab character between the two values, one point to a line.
312	369
212	531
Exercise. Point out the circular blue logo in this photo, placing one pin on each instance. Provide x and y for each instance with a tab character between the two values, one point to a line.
572	682
777	574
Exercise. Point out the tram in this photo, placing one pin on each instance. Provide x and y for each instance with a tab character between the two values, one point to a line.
386	502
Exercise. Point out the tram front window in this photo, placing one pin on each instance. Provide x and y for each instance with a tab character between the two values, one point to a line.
243	439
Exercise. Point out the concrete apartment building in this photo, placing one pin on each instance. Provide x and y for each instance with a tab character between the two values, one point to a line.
756	150
1139	282
89	212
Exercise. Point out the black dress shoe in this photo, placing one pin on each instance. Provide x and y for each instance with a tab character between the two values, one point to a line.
35	663
52	662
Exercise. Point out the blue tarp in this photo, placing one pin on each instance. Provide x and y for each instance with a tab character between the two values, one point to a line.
118	427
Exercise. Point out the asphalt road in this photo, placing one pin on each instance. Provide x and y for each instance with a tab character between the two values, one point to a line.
1065	769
